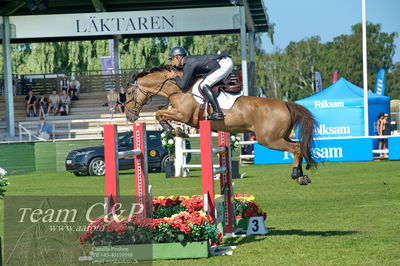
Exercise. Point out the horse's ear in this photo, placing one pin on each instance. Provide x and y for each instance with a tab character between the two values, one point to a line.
132	79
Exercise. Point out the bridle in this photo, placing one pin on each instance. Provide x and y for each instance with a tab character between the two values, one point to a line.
148	95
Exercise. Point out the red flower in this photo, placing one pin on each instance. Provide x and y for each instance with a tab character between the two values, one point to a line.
193	204
196	219
248	213
185	228
253	206
158	221
219	239
241	195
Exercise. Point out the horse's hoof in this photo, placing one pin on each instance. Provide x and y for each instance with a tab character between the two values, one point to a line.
178	132
303	180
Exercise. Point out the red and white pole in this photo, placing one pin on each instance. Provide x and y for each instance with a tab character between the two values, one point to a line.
111	162
226	181
207	171
141	181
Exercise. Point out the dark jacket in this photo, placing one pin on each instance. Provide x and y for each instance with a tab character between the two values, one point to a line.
197	65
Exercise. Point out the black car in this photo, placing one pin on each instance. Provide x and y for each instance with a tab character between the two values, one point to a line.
90	161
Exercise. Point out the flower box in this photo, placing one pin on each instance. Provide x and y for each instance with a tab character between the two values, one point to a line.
156	251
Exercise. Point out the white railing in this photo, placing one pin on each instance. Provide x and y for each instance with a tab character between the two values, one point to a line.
249	158
181	166
67	128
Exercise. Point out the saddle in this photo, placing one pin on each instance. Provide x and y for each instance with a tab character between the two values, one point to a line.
232	84
228	85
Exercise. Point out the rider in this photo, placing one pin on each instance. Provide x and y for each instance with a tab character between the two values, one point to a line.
216	68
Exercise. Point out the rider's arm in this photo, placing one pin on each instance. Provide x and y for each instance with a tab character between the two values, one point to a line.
184	83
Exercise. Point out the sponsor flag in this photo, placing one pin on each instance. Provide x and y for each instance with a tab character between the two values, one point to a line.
107	66
335	76
318	82
380	83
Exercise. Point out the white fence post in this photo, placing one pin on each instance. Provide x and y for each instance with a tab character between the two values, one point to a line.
180	157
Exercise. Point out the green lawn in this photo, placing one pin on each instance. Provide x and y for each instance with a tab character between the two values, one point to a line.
350	214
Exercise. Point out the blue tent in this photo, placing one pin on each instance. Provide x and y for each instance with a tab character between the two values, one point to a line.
339	110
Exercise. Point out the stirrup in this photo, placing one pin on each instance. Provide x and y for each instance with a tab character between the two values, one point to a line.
215	116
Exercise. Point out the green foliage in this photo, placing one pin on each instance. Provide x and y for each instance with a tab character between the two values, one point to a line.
168	211
290	73
3	182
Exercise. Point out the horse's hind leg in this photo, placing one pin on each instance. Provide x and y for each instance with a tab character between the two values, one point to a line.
283	144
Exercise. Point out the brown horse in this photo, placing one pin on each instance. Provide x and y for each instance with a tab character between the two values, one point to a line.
272	120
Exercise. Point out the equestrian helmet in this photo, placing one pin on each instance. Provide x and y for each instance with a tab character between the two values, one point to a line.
178	50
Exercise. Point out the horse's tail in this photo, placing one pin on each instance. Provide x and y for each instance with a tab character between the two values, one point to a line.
303	117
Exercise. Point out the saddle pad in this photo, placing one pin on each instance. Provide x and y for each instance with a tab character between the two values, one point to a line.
225	100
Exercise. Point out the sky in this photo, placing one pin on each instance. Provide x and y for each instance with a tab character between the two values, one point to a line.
299	19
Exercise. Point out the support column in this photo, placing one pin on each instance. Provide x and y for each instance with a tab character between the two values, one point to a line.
116	57
8	87
252	82
243	46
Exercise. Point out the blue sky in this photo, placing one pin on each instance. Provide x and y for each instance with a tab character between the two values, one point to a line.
299	19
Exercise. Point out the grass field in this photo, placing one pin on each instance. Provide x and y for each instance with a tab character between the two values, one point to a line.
349	215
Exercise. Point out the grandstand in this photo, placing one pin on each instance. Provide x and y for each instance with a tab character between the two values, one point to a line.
87	115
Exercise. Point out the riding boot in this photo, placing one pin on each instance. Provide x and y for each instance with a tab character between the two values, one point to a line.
217	114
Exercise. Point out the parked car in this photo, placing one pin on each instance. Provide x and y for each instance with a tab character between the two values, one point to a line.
90	161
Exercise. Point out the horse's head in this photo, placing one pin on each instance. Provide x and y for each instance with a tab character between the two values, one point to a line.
142	87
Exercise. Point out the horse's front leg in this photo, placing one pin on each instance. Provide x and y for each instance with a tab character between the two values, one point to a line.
163	116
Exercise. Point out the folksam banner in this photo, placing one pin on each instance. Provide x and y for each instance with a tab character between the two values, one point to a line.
380	83
339	110
324	150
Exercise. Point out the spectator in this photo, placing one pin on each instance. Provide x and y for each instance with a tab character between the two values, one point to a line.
121	100
64	84
380	125
65	102
249	149
112	98
43	105
386	132
43	129
22	87
54	101
74	88
30	103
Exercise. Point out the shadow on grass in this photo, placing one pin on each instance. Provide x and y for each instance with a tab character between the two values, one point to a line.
243	240
274	232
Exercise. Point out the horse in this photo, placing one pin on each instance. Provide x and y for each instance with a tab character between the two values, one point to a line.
271	120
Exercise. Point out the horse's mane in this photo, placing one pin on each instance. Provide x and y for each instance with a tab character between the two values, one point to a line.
159	68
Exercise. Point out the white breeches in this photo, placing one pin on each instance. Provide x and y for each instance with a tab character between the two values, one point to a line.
221	73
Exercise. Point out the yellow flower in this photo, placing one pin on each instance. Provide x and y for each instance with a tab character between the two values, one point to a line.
172	197
185	197
203	214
